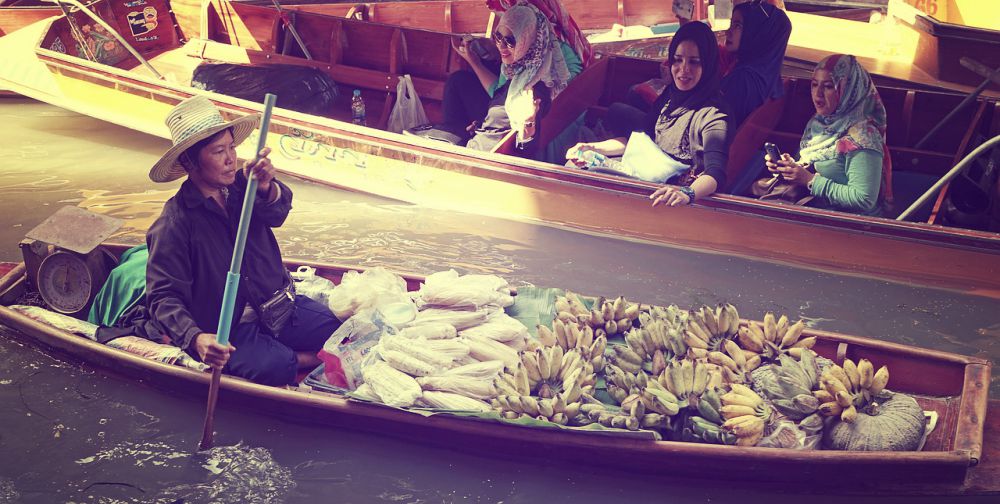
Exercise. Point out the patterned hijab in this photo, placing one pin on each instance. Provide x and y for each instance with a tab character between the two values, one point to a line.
563	24
859	121
537	58
673	127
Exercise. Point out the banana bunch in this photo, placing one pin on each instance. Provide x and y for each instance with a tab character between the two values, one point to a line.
745	414
648	348
631	415
706	427
621	383
736	363
845	390
623	387
791	391
687	380
611	317
775	337
707	329
575	335
546	384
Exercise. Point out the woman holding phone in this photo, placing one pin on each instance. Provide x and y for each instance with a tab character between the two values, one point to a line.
842	150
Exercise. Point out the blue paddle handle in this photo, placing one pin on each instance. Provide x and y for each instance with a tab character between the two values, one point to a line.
233	277
228	299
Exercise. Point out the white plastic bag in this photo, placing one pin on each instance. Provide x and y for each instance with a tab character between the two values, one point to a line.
373	288
408	111
448	289
644	160
311	285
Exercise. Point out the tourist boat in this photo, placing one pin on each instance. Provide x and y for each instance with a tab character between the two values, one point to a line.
960	455
16	14
41	62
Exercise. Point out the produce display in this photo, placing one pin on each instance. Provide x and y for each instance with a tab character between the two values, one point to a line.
701	375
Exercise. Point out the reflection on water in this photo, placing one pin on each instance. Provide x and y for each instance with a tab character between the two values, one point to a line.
104	439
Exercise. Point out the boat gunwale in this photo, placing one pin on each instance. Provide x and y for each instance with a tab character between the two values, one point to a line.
975	240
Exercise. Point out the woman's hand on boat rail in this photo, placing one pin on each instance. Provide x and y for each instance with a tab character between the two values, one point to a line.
211	352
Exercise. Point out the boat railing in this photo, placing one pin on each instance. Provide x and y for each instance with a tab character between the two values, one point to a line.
97	19
948	176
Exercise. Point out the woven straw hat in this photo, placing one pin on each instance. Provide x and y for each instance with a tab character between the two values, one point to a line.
193	120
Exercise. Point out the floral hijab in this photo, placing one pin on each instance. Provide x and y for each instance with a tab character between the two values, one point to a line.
859	121
537	58
563	24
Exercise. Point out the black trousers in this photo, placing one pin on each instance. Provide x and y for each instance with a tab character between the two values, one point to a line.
464	101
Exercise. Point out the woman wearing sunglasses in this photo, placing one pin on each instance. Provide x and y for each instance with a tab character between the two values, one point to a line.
686	122
533	71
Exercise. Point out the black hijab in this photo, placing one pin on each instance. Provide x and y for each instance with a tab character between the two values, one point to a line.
766	29
673	126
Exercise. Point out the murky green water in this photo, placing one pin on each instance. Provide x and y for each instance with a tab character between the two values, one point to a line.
74	434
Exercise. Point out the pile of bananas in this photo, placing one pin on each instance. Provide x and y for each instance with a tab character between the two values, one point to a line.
575	336
649	406
547	384
745	414
775	337
657	341
706	427
610	317
707	329
845	390
736	363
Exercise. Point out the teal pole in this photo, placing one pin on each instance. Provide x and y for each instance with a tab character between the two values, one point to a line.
233	277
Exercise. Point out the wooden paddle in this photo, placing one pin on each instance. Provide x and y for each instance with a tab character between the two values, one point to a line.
233	277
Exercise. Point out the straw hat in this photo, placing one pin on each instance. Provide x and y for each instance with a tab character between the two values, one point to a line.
193	120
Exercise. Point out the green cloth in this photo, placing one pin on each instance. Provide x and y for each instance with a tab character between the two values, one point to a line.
125	287
850	182
573	64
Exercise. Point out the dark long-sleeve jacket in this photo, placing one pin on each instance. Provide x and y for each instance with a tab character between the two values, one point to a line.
190	250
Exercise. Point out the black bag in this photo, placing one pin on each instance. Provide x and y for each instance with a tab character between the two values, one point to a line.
299	88
437	132
276	311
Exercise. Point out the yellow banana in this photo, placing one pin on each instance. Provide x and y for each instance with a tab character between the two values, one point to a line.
700	377
734	410
770	327
866	372
792	334
745	391
851	370
843	399
732	398
555	361
559	329
781	327
750	340
736	353
850	414
531	366
830	409
545	335
805	342
721	359
838	373
543	363
880	380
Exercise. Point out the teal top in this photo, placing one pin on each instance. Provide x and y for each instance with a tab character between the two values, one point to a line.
573	64
126	286
850	182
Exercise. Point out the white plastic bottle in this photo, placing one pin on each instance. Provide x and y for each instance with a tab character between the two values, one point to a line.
357	108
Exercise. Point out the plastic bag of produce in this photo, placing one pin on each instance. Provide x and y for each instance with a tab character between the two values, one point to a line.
485	370
345	351
312	286
448	289
159	352
430	331
459	319
461	385
441	354
453	402
393	387
500	327
373	288
58	320
787	434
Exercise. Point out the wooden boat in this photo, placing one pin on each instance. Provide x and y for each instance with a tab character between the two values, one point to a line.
329	150
960	455
16	14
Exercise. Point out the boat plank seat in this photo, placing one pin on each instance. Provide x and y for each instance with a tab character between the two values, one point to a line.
583	91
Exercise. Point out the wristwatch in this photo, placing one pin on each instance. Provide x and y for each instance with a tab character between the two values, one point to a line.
687	191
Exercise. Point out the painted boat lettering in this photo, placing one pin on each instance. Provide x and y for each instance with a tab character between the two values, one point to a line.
299	144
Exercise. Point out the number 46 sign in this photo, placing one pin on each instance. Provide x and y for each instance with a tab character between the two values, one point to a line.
936	8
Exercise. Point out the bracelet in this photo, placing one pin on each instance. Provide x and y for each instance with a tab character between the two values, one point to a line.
687	191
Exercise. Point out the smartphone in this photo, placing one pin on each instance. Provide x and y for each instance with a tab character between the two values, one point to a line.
772	151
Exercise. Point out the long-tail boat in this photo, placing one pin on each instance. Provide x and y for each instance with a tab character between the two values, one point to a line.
43	62
959	457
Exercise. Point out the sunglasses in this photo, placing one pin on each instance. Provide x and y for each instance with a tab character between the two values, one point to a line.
507	40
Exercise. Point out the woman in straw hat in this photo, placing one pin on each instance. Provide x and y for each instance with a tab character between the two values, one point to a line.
191	246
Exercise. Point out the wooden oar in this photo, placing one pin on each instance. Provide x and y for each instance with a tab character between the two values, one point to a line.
233	277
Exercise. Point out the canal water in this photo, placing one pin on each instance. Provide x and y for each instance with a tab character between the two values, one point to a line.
72	433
